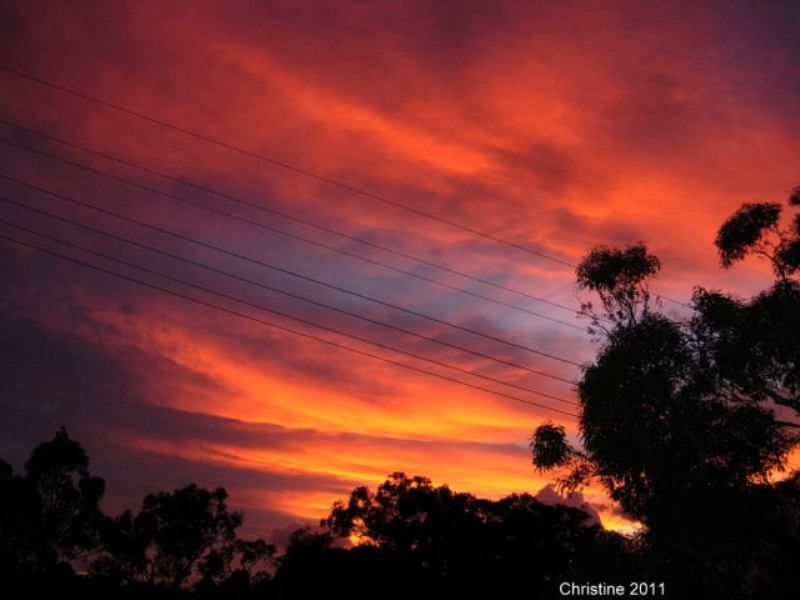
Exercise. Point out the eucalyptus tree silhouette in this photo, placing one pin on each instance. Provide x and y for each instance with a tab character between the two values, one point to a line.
50	518
620	278
756	229
681	419
179	543
179	538
755	346
50	514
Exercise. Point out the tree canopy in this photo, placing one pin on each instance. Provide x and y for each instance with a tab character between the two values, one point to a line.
406	538
51	523
679	418
51	513
427	537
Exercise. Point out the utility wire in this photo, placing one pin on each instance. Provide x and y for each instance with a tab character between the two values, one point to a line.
286	271
270	288
265	322
298	170
290	217
279	313
284	165
678	302
284	215
304	239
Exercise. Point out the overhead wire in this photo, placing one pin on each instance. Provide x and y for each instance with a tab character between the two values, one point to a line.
283	214
305	239
295	169
283	165
285	293
292	168
269	323
285	271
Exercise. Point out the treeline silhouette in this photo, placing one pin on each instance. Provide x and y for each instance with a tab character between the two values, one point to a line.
55	539
405	539
687	423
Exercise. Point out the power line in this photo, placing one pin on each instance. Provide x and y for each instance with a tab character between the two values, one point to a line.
300	171
678	302
300	297
286	166
336	183
280	313
304	239
285	215
286	271
269	323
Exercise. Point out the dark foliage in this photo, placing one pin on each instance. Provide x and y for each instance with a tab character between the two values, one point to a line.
753	347
619	277
685	422
415	540
177	536
740	233
549	447
433	542
50	515
51	525
755	229
794	197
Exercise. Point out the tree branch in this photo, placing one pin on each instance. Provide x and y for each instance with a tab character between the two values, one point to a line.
777	398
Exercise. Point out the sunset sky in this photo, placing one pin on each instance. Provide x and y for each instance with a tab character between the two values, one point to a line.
556	126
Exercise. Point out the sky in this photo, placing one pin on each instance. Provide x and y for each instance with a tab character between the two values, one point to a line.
554	126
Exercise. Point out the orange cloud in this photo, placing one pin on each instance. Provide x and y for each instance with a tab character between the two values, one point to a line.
558	126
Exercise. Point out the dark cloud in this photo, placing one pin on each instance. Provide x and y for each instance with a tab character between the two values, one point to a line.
549	495
107	396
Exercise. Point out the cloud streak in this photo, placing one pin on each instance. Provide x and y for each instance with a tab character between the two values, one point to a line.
558	126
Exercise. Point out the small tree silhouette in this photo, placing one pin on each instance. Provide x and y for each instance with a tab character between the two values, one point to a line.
180	538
